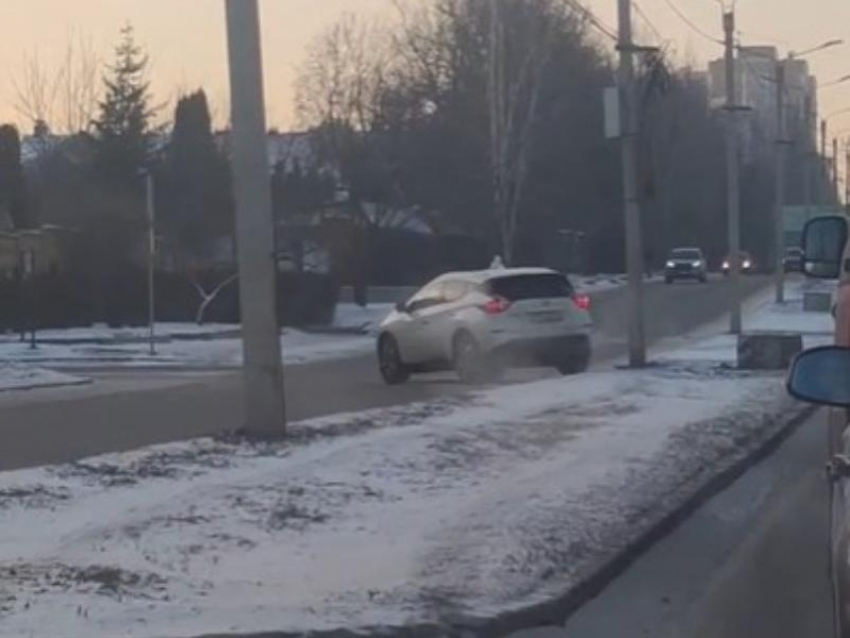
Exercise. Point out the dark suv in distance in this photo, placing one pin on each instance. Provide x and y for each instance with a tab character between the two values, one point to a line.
793	260
685	263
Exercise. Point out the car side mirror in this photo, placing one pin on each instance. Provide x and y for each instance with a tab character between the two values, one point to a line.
401	306
822	376
823	246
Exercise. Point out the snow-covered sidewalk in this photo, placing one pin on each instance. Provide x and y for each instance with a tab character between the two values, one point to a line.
762	315
469	506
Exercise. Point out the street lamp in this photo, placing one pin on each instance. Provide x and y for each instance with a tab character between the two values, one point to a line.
820	47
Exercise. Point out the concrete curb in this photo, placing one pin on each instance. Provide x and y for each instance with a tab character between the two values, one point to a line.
47	386
556	611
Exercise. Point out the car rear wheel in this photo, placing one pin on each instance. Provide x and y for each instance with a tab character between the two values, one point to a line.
470	363
393	370
574	364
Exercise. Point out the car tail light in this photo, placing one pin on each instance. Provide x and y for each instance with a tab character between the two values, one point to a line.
582	302
496	306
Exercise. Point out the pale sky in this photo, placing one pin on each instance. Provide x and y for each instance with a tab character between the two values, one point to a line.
186	39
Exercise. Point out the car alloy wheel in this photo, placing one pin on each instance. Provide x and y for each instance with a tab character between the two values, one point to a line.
393	370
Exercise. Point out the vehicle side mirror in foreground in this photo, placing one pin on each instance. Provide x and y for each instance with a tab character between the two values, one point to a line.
823	246
401	306
822	376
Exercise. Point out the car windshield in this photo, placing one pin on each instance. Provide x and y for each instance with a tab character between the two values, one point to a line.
690	254
538	286
416	318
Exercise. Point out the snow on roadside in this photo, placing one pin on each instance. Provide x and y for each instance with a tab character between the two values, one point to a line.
349	316
603	282
764	315
106	334
21	377
467	506
297	347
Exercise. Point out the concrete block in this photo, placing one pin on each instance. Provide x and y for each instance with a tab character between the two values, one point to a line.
817	301
768	350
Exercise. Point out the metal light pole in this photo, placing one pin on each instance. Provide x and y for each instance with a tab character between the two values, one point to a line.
628	133
830	180
846	173
151	219
263	370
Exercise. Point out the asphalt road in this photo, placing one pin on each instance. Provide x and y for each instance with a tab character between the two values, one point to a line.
752	562
125	410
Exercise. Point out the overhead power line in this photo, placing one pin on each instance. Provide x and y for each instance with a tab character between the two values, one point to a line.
591	17
648	22
694	27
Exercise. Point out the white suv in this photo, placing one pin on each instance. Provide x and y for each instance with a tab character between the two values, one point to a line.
480	322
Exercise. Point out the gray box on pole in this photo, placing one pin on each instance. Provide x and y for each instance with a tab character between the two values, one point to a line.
611	108
263	370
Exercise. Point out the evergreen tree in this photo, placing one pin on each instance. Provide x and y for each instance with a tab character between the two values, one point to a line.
13	200
195	200
123	128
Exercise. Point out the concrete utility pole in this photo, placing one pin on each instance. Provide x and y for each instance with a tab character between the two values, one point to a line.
628	133
779	197
732	186
151	218
263	371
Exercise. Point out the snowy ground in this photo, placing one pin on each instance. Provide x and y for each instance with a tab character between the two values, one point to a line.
350	316
462	507
763	315
220	352
21	377
603	281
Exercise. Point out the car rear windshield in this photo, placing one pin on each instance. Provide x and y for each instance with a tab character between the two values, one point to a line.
520	287
686	253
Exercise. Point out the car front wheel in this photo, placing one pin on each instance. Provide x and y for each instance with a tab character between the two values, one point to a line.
393	370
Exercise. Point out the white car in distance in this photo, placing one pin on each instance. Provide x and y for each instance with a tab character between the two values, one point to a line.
480	322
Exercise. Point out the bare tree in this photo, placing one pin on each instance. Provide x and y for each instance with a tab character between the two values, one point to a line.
342	79
513	95
79	85
64	98
209	294
36	89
